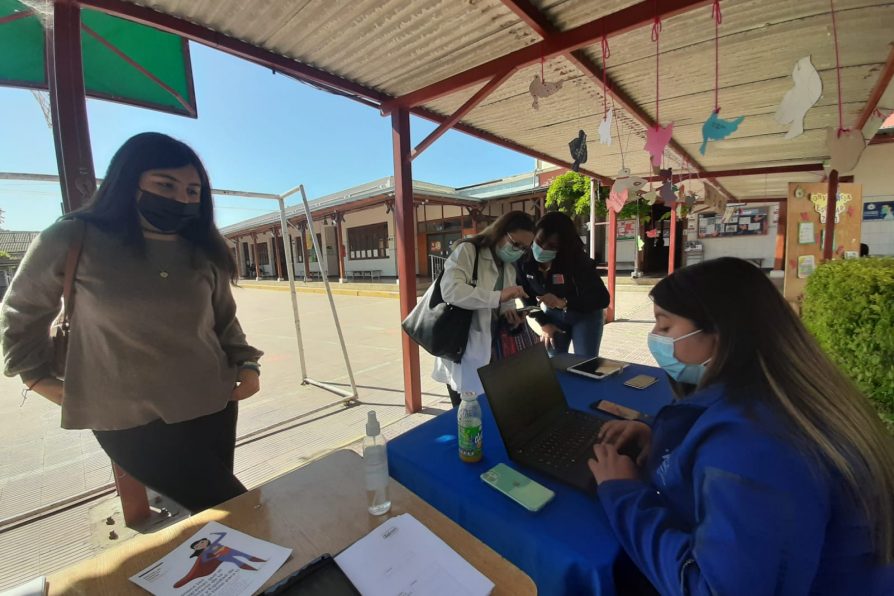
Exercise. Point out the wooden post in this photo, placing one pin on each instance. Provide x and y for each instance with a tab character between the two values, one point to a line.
276	254
340	247
304	251
830	215
781	225
254	252
240	266
612	258
405	235
68	106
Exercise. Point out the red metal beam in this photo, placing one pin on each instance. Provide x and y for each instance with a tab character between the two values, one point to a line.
23	14
531	16
68	104
672	245
449	122
405	236
812	167
624	20
611	258
875	96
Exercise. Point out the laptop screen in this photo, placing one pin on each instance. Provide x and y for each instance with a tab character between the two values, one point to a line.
522	391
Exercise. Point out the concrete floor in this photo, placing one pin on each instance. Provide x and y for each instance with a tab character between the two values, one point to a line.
43	464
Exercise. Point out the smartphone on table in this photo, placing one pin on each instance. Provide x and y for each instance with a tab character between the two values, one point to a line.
598	368
610	407
640	381
531	495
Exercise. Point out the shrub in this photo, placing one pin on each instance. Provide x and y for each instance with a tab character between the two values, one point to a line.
849	307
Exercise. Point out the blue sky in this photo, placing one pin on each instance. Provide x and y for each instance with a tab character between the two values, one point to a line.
256	131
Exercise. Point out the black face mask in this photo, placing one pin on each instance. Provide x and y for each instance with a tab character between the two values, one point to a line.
166	214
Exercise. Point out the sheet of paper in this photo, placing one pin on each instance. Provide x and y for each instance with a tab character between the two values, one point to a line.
805	233
216	560
404	557
806	266
36	587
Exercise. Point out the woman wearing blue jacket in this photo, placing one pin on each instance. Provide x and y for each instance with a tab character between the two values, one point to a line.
771	474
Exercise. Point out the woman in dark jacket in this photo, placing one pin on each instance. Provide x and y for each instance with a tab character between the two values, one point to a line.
564	280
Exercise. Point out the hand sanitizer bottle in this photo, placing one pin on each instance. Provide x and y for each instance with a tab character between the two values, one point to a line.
375	458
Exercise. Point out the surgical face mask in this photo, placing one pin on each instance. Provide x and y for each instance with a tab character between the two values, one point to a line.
509	254
166	214
541	255
662	349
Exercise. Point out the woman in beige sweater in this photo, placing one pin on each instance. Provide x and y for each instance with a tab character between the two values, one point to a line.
157	360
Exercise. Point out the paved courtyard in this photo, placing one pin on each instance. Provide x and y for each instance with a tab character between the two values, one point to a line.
42	464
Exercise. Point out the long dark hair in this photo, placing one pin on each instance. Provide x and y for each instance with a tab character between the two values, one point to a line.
507	223
556	223
113	207
765	353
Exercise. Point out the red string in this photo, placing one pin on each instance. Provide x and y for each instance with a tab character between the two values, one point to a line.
606	52
718	18
656	34
841	128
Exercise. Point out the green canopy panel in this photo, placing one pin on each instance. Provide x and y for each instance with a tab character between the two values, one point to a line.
123	61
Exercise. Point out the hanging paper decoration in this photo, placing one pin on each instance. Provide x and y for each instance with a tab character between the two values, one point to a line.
605	127
714	199
845	148
845	145
657	137
605	132
539	88
716	128
667	189
578	148
690	199
653	233
650	197
640	243
621	189
800	98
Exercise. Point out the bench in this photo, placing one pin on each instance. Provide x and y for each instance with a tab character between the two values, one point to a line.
371	274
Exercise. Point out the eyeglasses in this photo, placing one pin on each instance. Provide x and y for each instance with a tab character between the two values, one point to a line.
515	244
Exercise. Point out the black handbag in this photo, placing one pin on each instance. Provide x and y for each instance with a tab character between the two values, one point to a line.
440	328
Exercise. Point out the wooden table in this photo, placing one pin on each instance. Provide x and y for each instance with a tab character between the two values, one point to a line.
320	508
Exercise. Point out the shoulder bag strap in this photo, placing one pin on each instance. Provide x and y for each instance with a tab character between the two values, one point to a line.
71	268
475	267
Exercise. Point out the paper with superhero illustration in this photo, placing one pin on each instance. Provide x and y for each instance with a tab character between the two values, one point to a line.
215	560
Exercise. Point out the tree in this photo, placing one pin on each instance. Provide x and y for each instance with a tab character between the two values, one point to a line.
570	194
5	255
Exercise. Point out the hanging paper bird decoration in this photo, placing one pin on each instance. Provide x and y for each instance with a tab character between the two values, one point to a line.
657	138
667	189
845	148
716	128
653	233
605	128
620	192
650	197
540	89
578	147
800	98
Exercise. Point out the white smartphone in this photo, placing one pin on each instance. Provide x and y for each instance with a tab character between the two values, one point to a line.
518	487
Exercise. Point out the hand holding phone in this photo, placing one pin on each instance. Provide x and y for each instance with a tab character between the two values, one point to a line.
518	487
528	310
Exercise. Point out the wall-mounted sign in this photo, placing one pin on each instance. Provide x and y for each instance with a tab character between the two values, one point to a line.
878	210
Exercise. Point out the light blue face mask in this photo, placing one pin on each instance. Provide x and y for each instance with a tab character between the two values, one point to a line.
508	253
541	255
662	349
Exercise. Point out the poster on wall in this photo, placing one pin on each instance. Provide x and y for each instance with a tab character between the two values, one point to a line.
742	221
806	266
878	211
626	229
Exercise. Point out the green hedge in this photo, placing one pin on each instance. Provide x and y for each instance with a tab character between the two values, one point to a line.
849	307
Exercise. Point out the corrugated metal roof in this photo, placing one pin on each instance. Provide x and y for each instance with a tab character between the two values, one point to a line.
397	46
16	243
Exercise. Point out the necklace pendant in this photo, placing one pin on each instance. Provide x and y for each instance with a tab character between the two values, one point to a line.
163	274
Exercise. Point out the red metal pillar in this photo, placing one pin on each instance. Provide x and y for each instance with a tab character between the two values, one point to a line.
340	246
831	199
672	245
254	253
781	225
405	237
276	253
611	257
304	254
68	105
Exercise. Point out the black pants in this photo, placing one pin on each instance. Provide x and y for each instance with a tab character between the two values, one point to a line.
190	462
455	398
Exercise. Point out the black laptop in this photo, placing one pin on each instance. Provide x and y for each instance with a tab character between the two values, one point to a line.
537	426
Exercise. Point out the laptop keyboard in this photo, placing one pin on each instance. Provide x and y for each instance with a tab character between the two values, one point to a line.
568	443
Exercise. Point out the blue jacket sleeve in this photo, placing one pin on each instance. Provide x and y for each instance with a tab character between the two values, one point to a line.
760	524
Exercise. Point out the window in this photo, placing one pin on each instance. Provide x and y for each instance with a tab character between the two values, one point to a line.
263	254
368	242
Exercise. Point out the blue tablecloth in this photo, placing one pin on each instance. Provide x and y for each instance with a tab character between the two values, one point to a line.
568	546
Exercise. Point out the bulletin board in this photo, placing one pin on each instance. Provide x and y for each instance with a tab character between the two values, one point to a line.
626	229
805	230
736	221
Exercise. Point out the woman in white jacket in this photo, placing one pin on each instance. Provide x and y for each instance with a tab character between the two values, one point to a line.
499	246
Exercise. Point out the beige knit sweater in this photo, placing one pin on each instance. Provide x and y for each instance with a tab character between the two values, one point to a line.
152	337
